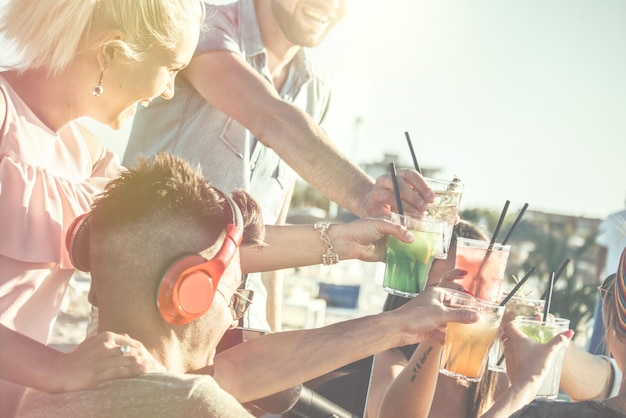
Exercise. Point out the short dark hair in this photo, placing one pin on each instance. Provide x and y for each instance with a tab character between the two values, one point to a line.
153	214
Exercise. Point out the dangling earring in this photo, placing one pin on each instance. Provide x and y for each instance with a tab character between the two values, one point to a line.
97	90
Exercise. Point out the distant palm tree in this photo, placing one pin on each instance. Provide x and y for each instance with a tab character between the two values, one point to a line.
573	296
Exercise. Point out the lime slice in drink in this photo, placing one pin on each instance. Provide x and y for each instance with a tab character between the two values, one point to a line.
538	333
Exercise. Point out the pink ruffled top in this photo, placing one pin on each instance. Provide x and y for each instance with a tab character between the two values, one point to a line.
47	179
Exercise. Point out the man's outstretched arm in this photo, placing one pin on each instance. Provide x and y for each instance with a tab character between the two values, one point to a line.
229	83
275	362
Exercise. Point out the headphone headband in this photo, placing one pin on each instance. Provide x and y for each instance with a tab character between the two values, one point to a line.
236	217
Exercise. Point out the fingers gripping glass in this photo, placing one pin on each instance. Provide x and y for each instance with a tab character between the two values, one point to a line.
239	302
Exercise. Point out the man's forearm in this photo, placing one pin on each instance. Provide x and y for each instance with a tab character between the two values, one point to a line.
275	362
227	82
307	149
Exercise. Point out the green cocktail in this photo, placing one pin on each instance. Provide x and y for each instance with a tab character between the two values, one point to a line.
408	264
542	332
538	333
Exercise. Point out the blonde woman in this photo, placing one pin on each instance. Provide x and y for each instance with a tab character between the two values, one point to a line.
76	58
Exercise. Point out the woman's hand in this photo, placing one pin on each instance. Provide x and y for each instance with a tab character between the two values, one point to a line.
102	357
426	313
366	239
527	360
527	363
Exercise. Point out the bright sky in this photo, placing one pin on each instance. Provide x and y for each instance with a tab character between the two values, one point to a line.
524	100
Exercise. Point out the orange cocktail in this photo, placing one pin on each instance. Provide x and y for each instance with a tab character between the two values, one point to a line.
466	348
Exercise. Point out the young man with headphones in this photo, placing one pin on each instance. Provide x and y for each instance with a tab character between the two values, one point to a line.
163	249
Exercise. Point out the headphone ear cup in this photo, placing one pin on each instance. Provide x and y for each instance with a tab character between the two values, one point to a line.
186	291
77	242
188	287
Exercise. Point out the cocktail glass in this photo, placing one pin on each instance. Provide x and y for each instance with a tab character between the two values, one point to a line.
466	347
516	306
445	207
408	264
485	266
542	332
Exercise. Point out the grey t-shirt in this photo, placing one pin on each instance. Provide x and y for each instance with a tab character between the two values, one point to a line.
541	408
154	395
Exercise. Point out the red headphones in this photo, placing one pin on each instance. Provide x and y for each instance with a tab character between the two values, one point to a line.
188	286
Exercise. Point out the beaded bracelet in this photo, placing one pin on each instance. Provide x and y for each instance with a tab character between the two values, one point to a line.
329	257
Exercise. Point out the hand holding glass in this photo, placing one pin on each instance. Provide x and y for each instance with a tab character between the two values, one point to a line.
516	306
542	332
408	264
466	347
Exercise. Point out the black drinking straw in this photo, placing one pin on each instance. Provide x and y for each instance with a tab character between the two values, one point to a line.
396	188
517	286
499	225
491	243
517	220
415	164
549	300
558	274
510	295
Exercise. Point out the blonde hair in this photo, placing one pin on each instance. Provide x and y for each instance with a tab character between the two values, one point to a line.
50	34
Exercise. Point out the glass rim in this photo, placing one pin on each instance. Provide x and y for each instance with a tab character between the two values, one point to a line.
421	218
490	305
482	244
477	301
444	181
531	320
431	222
524	298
